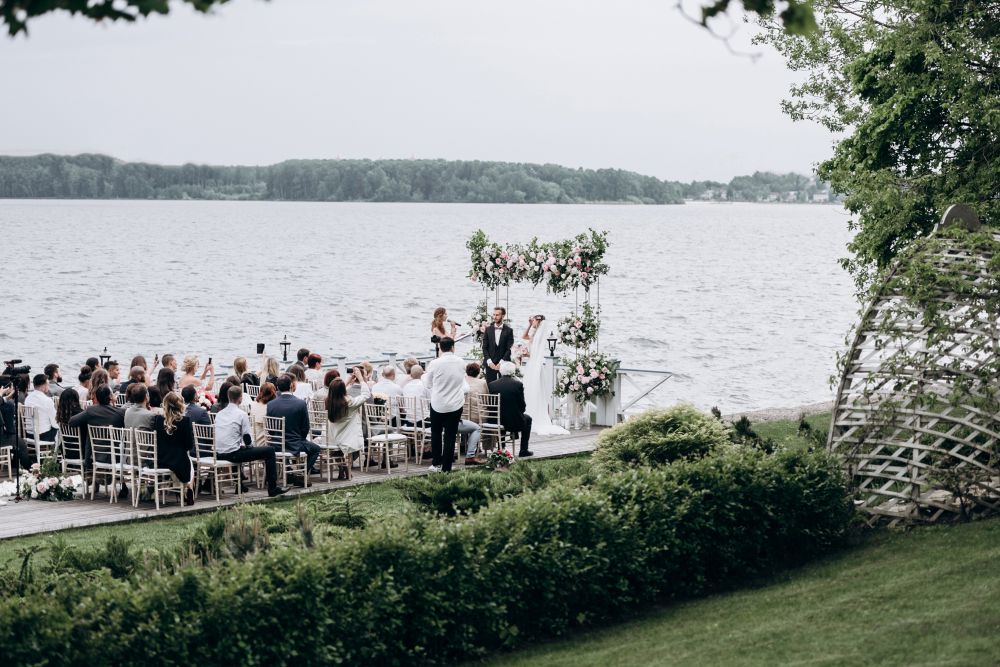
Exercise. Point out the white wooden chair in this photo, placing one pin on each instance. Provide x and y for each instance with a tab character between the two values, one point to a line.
162	480
489	422
330	456
72	453
414	412
252	390
103	456
288	462
123	440
222	472
7	461
37	448
121	400
383	444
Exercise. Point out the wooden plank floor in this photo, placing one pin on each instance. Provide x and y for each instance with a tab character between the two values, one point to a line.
30	517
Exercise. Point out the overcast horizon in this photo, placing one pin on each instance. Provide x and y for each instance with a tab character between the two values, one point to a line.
629	85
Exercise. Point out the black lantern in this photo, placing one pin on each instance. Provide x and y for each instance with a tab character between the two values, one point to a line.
284	348
552	343
105	358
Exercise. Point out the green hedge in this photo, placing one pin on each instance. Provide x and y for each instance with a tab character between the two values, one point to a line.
427	590
659	437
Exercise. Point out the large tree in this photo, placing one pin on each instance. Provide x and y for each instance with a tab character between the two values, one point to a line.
913	89
795	15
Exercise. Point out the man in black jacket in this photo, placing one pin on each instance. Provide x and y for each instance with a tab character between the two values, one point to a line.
512	405
498	340
196	413
101	413
296	415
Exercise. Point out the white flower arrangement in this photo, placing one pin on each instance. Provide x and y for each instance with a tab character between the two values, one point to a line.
579	331
47	485
588	376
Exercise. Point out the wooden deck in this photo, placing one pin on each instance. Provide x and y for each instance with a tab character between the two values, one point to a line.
30	517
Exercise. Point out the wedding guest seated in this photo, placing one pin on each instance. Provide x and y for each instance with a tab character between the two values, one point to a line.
303	389
270	371
137	374
246	377
234	440
155	400
387	384
93	363
415	387
83	383
169	361
314	372
98	379
222	401
45	410
111	366
368	370
344	414
69	406
477	387
196	413
190	367
258	410
296	416
512	405
55	380
101	413
166	381
408	363
138	414
322	392
300	358
175	442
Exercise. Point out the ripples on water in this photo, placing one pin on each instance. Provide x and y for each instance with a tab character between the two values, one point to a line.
746	303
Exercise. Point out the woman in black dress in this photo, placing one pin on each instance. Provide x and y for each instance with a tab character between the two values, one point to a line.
175	441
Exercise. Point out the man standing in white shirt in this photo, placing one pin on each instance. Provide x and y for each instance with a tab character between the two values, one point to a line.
445	383
45	410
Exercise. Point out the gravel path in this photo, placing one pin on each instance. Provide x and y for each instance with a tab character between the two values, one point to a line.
775	414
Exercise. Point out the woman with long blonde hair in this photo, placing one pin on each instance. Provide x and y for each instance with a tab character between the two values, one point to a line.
175	441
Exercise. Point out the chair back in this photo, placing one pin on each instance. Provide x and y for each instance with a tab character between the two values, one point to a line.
314	384
72	443
145	448
275	427
489	409
26	416
252	390
204	440
102	445
121	400
377	417
317	421
406	408
124	444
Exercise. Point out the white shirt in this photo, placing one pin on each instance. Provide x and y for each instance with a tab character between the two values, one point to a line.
415	388
231	424
304	391
315	374
387	387
496	334
445	383
45	409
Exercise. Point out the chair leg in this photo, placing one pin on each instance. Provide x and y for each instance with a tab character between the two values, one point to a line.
217	496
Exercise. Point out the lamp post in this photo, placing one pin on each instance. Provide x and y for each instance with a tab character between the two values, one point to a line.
553	403
284	348
105	357
551	340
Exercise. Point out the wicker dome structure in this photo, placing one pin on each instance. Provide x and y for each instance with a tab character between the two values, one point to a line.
916	420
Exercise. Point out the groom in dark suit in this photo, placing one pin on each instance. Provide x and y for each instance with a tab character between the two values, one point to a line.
498	341
512	405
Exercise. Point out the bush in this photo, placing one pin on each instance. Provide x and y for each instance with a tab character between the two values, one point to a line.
420	590
658	437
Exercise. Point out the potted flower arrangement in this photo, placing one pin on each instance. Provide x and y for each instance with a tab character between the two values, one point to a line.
587	377
579	330
499	460
47	483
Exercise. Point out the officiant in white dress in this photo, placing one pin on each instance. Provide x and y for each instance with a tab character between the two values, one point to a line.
537	393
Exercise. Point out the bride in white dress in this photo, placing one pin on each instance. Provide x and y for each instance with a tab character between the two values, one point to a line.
536	399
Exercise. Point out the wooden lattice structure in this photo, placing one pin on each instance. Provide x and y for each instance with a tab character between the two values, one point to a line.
915	453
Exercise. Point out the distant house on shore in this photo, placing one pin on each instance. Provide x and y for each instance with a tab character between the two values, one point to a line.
821	197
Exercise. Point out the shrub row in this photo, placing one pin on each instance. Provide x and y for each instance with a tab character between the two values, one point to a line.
429	590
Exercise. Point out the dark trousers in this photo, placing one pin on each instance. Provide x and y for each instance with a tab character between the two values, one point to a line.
525	434
312	451
265	454
446	424
491	374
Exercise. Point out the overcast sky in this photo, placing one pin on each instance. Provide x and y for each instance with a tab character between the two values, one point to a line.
611	83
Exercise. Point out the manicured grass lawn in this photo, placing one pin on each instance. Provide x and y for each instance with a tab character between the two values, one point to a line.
930	596
785	432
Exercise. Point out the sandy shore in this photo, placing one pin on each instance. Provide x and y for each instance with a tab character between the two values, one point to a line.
774	414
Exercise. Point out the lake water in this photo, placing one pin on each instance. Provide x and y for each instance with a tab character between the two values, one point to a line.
745	302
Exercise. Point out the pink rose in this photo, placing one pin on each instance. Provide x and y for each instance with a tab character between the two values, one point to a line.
504	254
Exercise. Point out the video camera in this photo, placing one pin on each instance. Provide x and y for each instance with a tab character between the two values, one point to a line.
12	370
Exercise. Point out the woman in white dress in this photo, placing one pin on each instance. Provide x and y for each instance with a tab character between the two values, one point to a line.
536	398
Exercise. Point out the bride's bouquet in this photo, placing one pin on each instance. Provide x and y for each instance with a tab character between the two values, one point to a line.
579	330
587	377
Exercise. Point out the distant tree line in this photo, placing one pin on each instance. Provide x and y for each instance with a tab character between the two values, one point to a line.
102	177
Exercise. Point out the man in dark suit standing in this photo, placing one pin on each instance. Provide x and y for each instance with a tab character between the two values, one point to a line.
512	405
296	415
498	341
